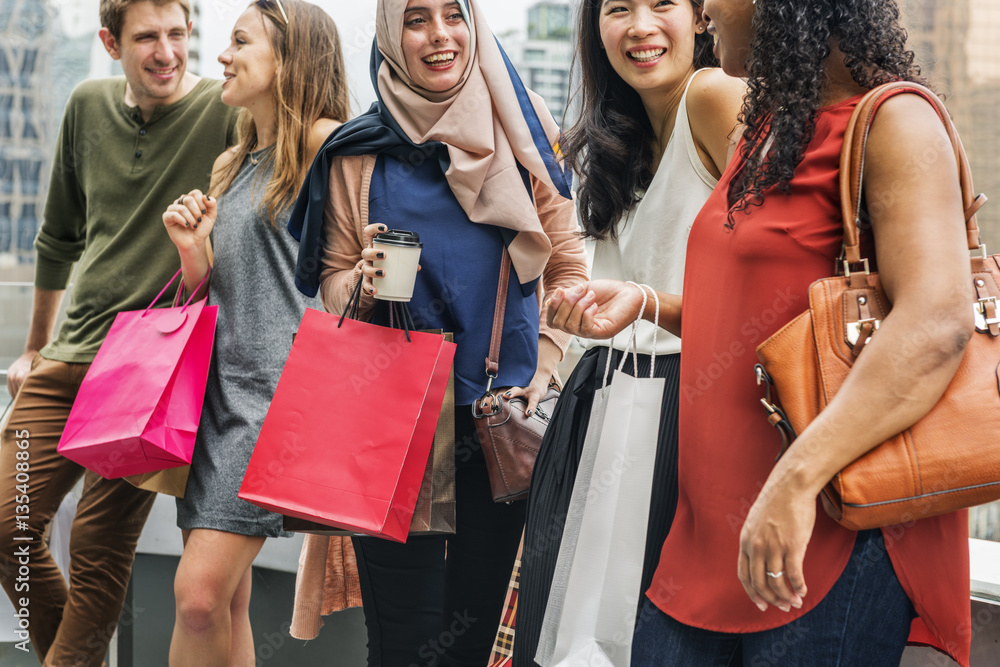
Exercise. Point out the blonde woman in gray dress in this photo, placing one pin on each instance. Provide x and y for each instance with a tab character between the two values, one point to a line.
284	67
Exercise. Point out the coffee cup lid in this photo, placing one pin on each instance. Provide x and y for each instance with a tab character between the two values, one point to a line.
400	237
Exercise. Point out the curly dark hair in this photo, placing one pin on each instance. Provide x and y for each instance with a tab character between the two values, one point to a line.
611	144
785	71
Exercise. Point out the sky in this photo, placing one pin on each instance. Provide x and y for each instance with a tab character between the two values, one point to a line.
355	22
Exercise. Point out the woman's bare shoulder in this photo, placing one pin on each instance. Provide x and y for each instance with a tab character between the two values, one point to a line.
320	132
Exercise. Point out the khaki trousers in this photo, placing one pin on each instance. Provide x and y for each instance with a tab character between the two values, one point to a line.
68	626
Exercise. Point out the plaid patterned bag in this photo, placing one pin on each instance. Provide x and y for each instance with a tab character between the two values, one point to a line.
503	646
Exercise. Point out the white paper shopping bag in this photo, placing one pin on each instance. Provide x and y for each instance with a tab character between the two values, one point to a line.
597	614
574	519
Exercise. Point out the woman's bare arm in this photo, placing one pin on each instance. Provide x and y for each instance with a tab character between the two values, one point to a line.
918	223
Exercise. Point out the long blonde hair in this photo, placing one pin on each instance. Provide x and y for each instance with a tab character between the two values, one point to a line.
310	84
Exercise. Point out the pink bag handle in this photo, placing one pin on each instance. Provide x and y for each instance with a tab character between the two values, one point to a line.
176	301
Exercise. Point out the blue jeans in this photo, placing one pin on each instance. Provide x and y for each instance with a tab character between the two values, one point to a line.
863	620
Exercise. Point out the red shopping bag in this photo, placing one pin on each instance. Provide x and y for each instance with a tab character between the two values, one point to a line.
350	428
138	407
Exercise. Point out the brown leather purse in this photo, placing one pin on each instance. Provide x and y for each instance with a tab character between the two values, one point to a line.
950	459
509	439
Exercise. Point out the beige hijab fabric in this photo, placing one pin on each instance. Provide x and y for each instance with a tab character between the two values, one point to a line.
481	122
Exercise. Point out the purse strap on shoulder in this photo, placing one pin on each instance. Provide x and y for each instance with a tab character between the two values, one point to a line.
852	163
493	360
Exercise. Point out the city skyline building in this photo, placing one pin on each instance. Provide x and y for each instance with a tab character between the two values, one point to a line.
25	122
544	58
550	20
956	45
47	48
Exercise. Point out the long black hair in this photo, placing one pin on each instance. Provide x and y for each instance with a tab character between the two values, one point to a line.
611	144
786	74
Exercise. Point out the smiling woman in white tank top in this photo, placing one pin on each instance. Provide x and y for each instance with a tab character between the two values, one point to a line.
652	234
654	134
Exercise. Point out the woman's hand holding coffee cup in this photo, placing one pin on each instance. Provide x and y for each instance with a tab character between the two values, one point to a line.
390	263
368	256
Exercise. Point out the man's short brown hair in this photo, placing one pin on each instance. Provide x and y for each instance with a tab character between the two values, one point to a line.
113	12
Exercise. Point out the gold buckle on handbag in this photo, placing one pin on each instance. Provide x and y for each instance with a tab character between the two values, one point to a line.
847	267
763	379
854	330
775	415
981	308
982	321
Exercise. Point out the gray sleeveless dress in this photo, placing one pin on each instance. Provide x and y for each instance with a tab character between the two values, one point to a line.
259	309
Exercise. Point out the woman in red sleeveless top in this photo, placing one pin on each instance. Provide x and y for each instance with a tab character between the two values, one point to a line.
751	573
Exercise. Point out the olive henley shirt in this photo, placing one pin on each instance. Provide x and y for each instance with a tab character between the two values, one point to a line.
113	175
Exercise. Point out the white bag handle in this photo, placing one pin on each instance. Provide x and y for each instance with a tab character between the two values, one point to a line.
631	343
635	329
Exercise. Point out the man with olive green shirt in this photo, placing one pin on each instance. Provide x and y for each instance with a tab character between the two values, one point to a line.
127	148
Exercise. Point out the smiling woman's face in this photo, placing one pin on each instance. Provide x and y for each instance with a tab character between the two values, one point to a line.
250	68
650	43
435	43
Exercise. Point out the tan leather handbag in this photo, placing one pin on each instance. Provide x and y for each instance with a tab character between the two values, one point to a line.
948	460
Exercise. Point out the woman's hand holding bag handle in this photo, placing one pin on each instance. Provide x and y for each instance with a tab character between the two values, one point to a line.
950	459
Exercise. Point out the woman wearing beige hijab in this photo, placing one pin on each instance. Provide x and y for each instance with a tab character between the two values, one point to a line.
457	150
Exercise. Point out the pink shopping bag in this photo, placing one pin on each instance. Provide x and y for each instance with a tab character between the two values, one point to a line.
139	405
347	437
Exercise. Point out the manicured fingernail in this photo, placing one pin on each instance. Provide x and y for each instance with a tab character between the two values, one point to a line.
199	217
381	228
203	211
196	224
380	255
762	606
507	393
380	273
529	412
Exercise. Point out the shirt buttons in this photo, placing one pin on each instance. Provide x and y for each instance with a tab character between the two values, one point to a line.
138	153
142	132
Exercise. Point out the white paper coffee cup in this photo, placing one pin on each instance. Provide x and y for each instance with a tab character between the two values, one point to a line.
402	256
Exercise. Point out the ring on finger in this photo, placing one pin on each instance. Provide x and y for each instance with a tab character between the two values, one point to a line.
775	575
